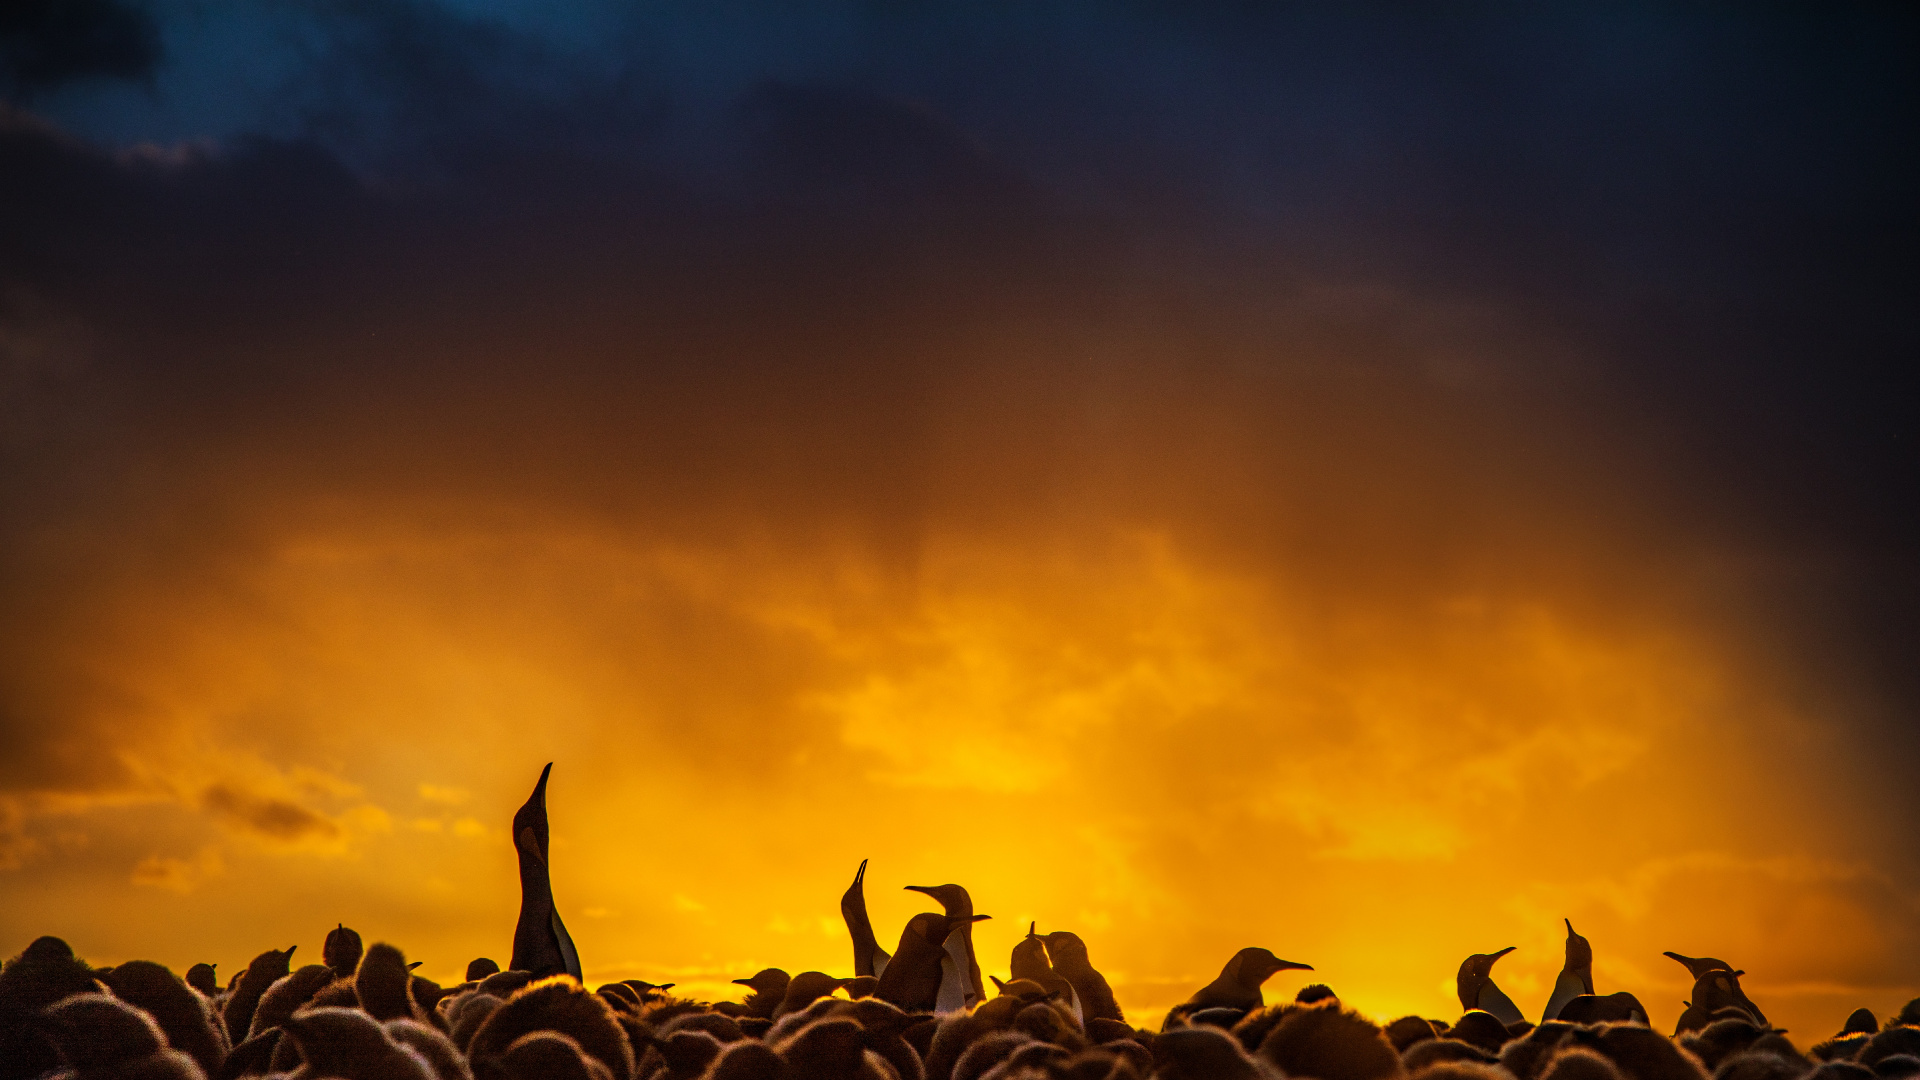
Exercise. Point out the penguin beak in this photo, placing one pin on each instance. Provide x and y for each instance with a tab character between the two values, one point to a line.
860	875
979	918
928	889
1500	954
743	982
1033	928
1569	923
415	964
540	789
1288	965
290	949
664	986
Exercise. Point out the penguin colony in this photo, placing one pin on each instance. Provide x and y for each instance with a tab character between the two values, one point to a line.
917	1013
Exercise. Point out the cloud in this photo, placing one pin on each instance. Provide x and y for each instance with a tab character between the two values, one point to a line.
274	819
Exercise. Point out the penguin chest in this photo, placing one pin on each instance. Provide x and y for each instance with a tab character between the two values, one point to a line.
1493	1000
1568	987
953	987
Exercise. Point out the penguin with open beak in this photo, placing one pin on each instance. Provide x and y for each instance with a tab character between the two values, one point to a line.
1477	991
966	990
540	940
1576	976
868	957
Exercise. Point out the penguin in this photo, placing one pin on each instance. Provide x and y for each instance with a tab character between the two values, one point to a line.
959	943
349	1043
100	1036
540	941
804	989
1698	966
341	951
1860	1022
1714	990
769	986
921	974
1093	998
868	957
1477	991
648	991
1237	987
1032	964
266	969
202	978
1576	976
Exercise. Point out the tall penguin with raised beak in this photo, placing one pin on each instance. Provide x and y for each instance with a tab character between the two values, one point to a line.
540	941
868	957
965	990
1576	977
1476	989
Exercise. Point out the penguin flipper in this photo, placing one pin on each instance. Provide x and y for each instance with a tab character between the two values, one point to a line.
881	958
568	954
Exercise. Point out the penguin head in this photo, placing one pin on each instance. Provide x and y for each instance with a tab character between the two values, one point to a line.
1579	954
202	978
1861	1022
766	981
1699	965
530	822
1030	956
855	898
1251	967
1024	989
1475	972
1065	947
951	897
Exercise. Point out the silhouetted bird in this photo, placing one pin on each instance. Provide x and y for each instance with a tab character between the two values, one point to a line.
555	1004
803	990
1576	975
382	983
1698	966
480	968
868	957
1716	989
1475	986
1330	1043
1610	1008
921	973
1237	987
286	996
202	978
540	941
104	1038
341	951
185	1017
968	990
265	970
769	986
1094	999
350	1045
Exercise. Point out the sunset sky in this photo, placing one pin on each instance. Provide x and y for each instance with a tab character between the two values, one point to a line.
1368	481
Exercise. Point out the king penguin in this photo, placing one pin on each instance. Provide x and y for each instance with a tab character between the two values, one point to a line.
1477	991
540	941
868	957
1698	966
1576	977
1092	997
921	973
969	990
1238	986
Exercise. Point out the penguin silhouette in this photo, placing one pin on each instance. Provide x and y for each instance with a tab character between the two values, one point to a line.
769	986
540	941
1032	964
341	951
959	944
804	989
1237	987
868	957
263	972
101	1036
1092	995
1576	976
1714	990
921	972
202	978
1477	991
1699	966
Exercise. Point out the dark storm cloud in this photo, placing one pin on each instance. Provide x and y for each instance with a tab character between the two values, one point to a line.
46	43
682	265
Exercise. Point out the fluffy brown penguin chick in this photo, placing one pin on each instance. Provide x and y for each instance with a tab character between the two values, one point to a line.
1330	1043
1579	1063
202	978
1237	986
341	951
1644	1054
383	982
1204	1053
433	1046
347	1044
986	1053
286	996
748	1059
480	968
548	1055
44	972
834	1047
185	1017
557	1004
102	1037
265	970
769	986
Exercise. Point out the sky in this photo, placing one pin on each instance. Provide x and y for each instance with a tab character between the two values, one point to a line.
1368	481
